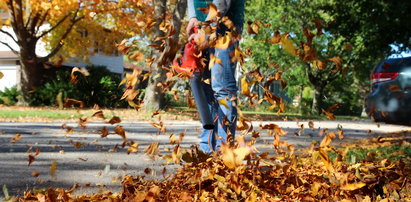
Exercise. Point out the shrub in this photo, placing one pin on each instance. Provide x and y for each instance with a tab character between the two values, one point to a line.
9	96
100	87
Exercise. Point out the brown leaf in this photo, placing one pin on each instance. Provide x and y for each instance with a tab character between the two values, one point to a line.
120	131
152	149
99	114
81	70
104	132
311	125
394	88
327	140
159	126
329	115
71	102
35	174
114	120
16	138
276	39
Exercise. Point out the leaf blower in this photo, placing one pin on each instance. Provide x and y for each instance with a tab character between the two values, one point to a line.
190	64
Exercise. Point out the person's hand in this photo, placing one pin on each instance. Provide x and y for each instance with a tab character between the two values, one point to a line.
193	22
200	39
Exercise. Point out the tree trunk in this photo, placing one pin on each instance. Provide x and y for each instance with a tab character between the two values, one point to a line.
155	96
318	103
31	75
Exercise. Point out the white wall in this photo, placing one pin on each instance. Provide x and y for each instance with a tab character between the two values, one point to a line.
113	63
9	69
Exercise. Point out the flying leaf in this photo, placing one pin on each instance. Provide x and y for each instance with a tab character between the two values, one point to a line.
53	168
71	102
1	75
160	126
288	45
152	149
337	61
133	148
244	87
212	12
232	158
99	114
16	138
311	125
104	132
329	115
276	39
224	103
327	140
114	120
223	41
120	131
81	70
35	174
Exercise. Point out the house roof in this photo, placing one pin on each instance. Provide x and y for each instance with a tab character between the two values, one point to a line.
8	55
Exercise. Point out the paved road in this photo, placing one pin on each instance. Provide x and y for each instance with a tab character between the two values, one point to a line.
95	168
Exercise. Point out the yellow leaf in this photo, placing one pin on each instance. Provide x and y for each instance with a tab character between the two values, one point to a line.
244	87
212	12
1	75
288	45
353	186
223	41
233	157
314	188
223	102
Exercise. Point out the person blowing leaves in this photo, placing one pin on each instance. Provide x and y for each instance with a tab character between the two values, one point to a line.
221	93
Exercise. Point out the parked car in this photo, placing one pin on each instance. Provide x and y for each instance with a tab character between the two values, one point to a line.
390	97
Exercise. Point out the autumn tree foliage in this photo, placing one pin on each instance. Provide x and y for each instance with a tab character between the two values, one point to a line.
69	28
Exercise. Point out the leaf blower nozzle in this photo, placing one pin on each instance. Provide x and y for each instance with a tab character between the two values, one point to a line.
190	64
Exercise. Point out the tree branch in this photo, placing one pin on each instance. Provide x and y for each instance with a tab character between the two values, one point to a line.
9	35
11	48
58	47
43	19
55	26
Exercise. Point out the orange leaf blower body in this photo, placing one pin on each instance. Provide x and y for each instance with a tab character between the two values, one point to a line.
189	63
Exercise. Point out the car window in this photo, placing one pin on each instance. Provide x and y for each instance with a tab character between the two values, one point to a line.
393	65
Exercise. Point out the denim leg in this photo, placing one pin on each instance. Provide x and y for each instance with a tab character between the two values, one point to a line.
208	137
224	85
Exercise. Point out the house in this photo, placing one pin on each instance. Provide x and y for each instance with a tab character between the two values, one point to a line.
9	62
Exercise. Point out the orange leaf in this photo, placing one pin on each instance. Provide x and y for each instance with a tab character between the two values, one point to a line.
120	131
114	120
16	138
353	186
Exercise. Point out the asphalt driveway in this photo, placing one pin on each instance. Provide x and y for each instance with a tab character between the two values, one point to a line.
96	164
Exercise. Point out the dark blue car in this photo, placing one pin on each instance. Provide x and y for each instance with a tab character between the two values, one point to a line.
390	97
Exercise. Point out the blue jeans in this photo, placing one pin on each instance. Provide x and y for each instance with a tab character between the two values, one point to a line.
223	87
